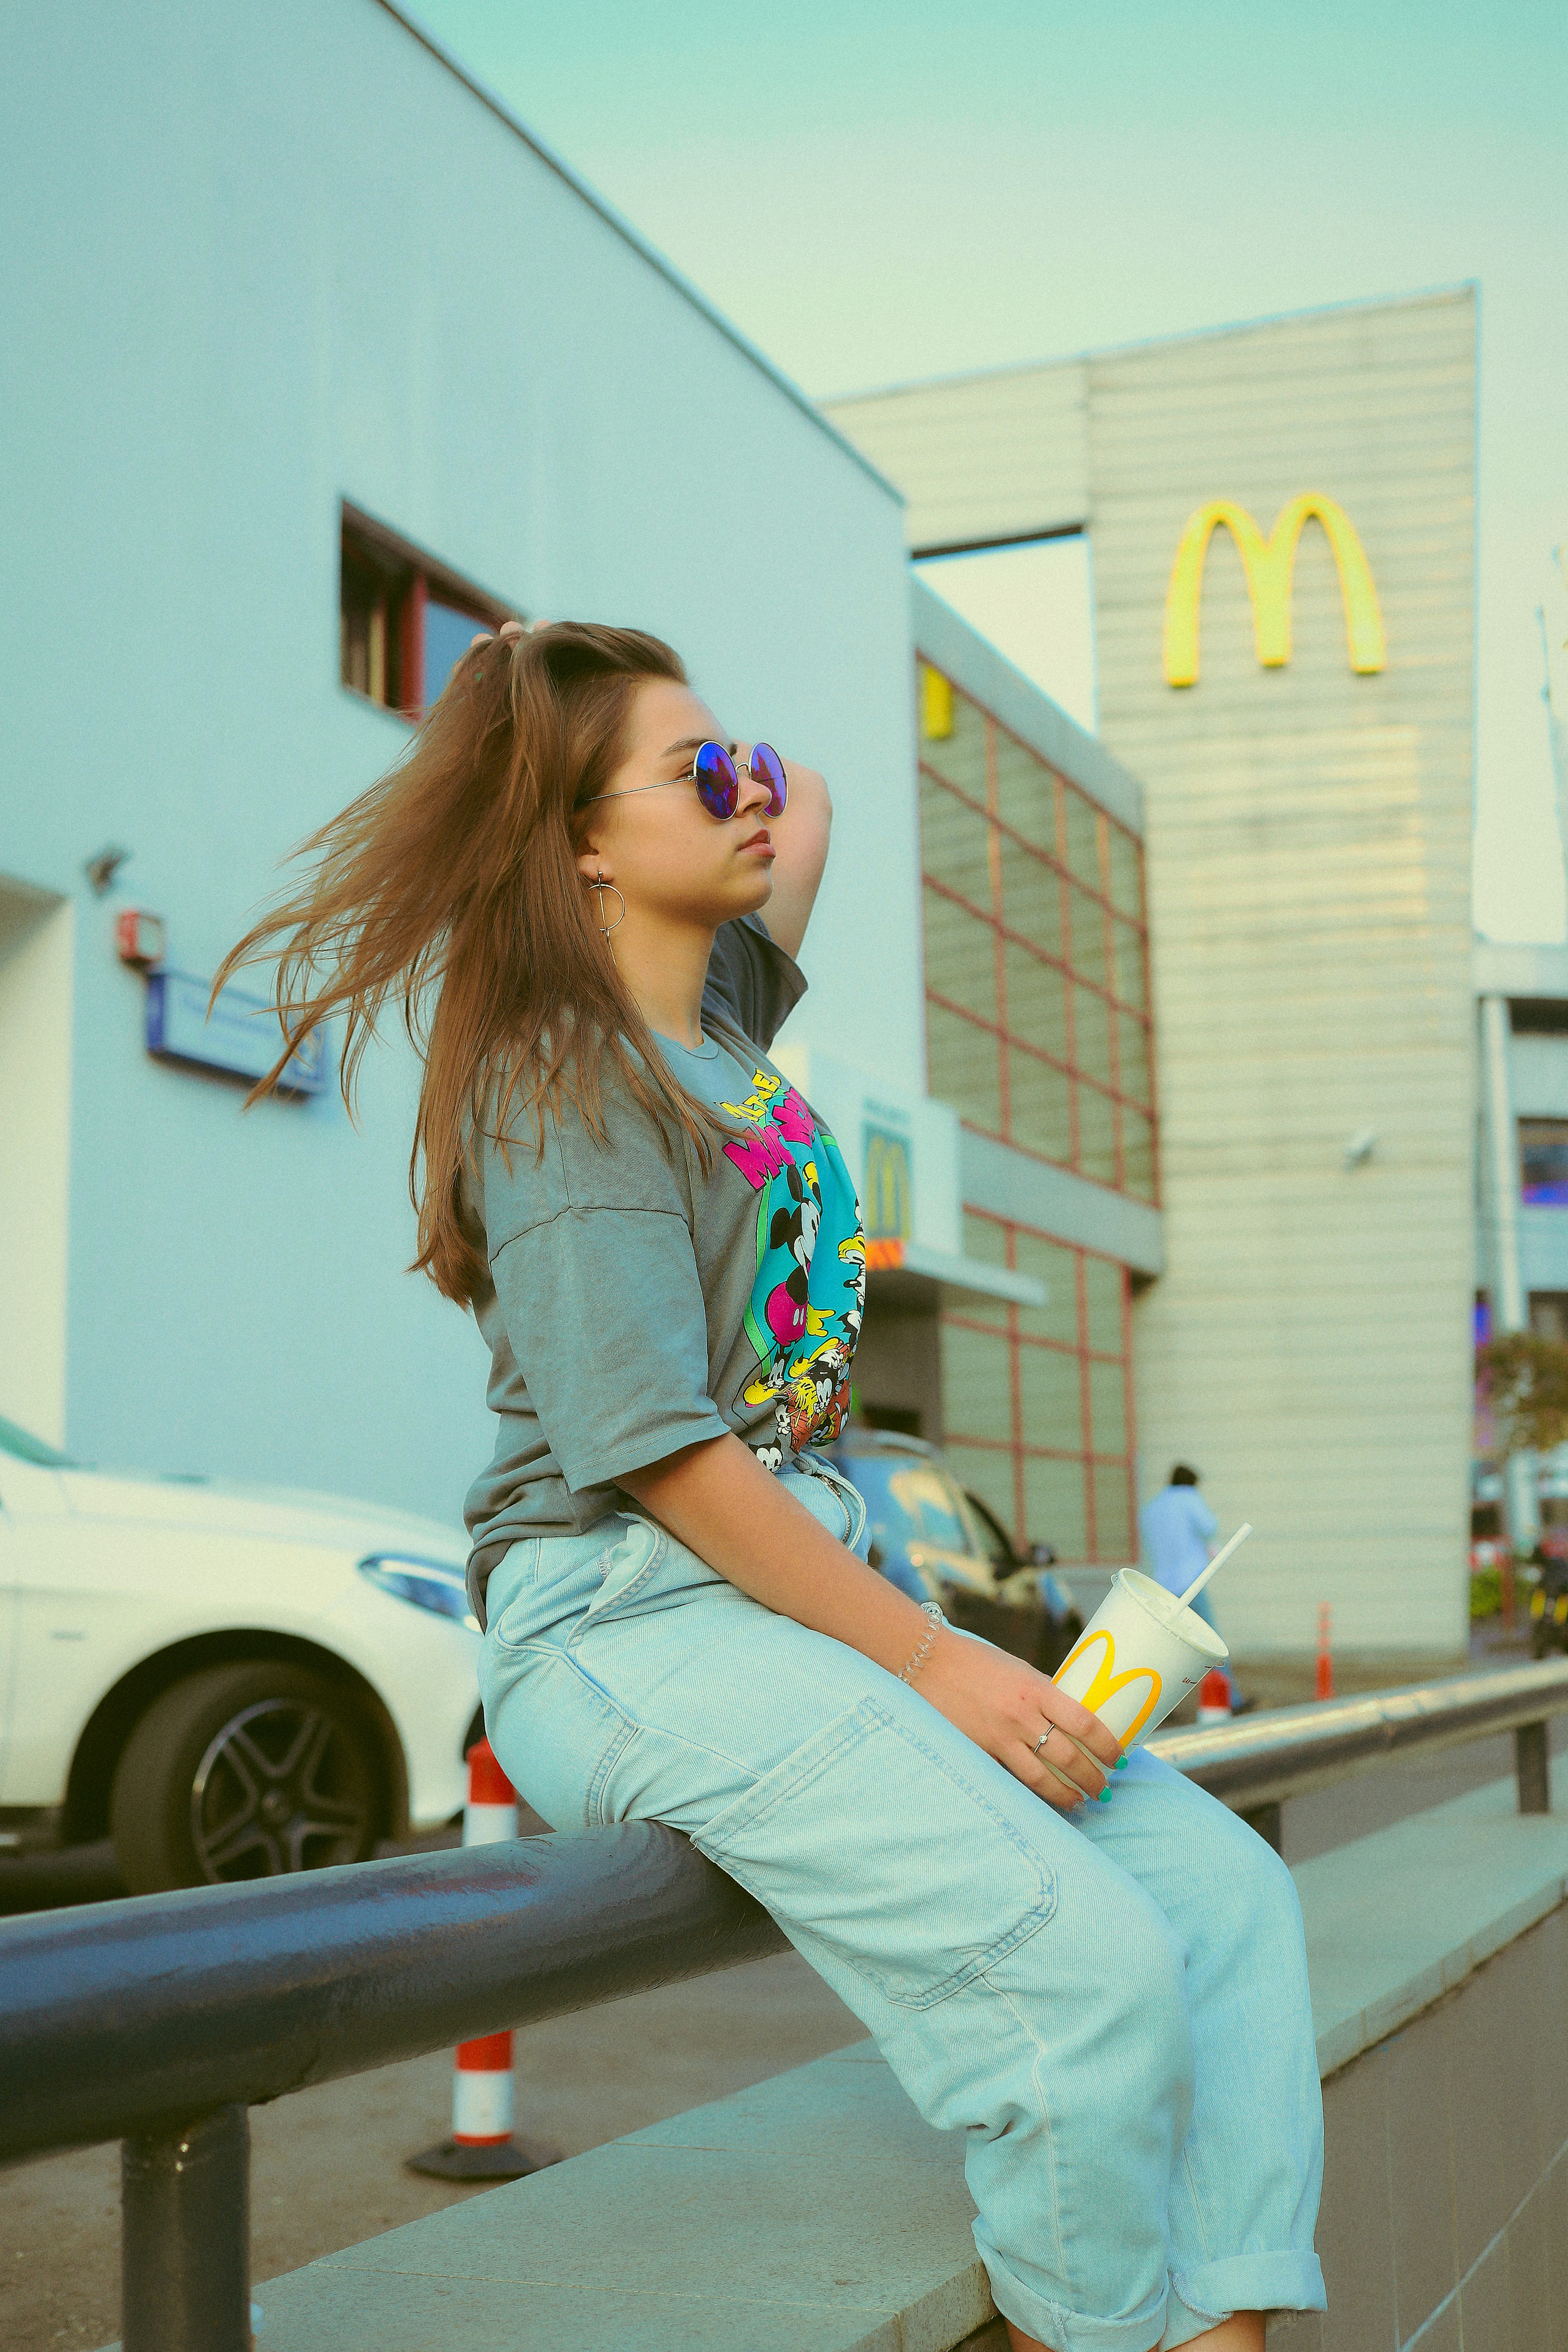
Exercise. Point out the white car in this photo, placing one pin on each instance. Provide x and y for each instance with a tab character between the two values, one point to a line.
228	1680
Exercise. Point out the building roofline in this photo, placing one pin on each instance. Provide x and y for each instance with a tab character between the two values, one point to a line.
623	229
1151	342
1522	971
951	644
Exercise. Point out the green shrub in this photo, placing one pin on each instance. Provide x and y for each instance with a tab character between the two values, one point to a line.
1485	1592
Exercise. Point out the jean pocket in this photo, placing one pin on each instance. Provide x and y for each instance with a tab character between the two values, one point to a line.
872	1843
509	1594
627	1566
831	1500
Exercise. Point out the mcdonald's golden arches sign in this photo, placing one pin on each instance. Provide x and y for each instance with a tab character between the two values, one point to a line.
1270	566
886	1205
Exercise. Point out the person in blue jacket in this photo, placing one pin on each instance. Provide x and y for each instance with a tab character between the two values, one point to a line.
1179	1528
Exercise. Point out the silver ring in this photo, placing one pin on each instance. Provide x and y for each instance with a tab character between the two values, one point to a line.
1039	1743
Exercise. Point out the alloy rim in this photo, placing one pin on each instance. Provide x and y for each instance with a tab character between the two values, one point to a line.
280	1788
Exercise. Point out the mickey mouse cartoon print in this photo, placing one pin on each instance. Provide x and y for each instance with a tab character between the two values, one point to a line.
804	1314
794	1226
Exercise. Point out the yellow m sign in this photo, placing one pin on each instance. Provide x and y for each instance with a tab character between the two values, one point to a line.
886	1207
1270	566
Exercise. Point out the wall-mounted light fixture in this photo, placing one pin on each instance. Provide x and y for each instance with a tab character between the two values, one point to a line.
101	869
139	937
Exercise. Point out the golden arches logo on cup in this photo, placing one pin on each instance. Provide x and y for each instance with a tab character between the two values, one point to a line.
1270	566
1138	1656
1095	1687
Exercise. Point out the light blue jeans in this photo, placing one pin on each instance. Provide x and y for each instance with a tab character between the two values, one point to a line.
1111	2007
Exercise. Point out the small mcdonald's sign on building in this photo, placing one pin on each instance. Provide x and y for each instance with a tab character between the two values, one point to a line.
887	1194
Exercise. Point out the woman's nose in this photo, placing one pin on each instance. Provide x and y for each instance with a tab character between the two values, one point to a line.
754	792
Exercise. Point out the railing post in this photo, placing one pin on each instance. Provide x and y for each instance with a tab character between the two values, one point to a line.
185	2237
1532	1764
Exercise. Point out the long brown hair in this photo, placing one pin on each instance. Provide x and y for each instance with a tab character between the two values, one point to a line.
452	883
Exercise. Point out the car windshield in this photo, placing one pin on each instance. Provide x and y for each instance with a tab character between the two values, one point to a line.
993	1541
933	1502
28	1448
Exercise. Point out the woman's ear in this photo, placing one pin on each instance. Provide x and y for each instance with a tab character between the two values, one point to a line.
591	864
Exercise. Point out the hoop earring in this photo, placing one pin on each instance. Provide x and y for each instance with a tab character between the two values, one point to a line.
600	886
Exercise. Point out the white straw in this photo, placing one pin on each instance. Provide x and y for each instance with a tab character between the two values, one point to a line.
1220	1557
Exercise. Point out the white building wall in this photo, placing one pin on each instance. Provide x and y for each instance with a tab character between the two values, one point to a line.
1539	1072
1308	838
36	962
257	261
1309	873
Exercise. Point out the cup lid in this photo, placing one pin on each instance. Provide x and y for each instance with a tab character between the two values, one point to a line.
1167	1607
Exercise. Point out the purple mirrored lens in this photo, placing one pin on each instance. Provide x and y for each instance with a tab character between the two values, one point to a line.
718	786
768	768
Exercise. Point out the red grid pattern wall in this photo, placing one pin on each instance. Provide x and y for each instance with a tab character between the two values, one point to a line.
1037	1403
1038	1023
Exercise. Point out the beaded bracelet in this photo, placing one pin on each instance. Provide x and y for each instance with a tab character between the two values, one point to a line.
925	1644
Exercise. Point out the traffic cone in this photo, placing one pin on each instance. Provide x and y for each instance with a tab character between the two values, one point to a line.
483	2147
1214	1697
1325	1654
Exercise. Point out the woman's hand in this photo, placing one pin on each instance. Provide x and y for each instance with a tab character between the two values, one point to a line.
508	629
1005	1706
716	1497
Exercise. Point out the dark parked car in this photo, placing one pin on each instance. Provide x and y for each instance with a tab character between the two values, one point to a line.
937	1542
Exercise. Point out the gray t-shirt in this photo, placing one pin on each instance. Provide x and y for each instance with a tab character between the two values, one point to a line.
635	1306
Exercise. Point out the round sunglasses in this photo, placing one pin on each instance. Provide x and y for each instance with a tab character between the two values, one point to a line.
718	779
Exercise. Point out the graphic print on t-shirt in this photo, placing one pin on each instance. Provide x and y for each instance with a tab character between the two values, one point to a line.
804	1314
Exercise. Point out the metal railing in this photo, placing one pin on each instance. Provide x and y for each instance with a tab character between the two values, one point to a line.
158	2021
1254	1763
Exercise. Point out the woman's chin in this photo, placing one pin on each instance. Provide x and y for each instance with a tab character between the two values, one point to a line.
742	893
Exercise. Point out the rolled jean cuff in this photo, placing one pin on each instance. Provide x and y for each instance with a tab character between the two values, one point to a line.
1071	2331
1212	2291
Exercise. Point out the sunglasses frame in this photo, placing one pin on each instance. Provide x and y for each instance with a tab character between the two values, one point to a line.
726	788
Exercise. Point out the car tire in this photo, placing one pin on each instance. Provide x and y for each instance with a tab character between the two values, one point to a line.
247	1771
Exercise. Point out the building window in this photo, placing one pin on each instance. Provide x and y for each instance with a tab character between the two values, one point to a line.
403	619
1037	966
1037	1403
1544	1161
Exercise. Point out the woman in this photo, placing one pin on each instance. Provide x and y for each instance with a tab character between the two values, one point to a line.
563	880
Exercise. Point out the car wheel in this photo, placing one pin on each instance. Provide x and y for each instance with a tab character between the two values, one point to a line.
246	1771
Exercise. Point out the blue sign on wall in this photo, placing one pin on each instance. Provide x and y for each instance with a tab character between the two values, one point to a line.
243	1035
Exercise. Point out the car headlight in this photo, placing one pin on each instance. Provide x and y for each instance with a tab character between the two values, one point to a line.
423	1583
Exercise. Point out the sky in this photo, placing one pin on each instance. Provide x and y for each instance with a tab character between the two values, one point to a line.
887	191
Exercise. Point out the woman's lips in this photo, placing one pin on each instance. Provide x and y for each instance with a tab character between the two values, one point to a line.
762	841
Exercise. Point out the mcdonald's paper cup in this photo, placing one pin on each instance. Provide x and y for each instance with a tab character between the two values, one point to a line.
1138	1656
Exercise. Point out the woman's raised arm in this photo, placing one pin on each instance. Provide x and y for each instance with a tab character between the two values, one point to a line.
800	842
